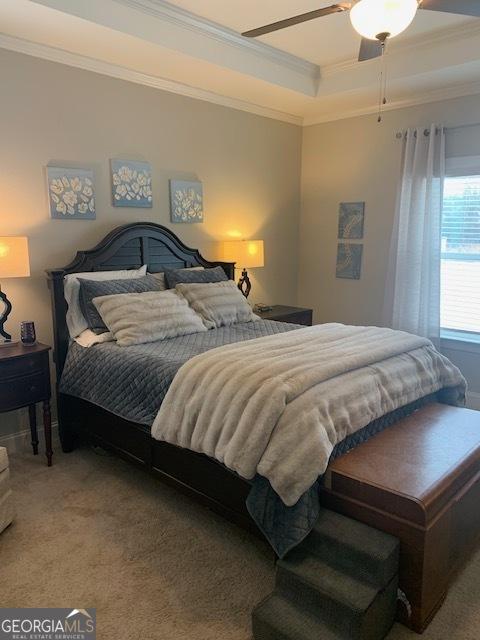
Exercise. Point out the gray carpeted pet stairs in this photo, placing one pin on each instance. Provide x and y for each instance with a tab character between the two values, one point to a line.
339	584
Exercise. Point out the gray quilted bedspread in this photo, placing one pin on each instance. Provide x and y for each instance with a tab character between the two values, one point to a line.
131	382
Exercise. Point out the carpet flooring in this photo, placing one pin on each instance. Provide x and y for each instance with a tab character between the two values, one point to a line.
93	531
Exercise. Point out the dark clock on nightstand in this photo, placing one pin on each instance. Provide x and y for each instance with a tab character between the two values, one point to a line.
282	313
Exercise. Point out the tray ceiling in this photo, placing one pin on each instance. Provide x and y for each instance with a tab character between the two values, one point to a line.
322	41
304	74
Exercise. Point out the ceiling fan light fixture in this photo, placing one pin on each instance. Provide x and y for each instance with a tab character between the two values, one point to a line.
378	19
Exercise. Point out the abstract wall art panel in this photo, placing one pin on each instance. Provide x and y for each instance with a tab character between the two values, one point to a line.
349	260
131	183
71	193
350	220
186	201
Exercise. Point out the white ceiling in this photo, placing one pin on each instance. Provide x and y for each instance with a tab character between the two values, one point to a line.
304	74
323	41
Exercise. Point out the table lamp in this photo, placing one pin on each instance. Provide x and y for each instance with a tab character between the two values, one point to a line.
245	253
14	263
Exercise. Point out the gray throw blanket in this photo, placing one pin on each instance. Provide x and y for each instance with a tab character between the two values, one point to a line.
277	406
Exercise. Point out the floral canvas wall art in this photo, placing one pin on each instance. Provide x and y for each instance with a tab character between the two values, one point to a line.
131	183
186	201
71	193
349	260
350	220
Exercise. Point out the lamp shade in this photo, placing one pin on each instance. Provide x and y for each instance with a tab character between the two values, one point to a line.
247	254
372	18
14	261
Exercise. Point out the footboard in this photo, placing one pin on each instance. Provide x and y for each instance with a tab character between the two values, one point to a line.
195	474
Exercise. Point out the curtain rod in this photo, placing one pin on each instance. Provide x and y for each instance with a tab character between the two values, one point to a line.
426	132
463	126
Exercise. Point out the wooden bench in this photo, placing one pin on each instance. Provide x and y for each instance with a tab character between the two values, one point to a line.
419	481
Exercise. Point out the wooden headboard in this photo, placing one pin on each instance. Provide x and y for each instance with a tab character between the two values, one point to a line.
126	247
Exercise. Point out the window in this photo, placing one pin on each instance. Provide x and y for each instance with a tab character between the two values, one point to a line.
460	296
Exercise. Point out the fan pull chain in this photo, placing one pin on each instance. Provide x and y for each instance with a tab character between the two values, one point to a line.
382	97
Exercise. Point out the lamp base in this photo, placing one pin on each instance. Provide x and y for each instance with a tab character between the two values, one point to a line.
244	284
4	316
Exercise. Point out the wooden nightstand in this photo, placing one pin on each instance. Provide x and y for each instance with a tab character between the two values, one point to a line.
294	315
24	381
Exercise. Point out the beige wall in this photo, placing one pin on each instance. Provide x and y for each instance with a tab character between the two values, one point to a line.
249	165
359	160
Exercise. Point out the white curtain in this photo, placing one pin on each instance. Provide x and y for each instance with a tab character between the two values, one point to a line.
413	281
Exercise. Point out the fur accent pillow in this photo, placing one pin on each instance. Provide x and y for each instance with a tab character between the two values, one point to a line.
137	318
218	303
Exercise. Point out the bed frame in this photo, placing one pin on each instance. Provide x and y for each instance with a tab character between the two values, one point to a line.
225	492
130	247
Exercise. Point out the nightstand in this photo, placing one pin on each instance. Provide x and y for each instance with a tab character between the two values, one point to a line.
24	381
294	315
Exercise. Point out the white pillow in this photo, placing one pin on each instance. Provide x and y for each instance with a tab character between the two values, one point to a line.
76	323
136	318
218	303
88	339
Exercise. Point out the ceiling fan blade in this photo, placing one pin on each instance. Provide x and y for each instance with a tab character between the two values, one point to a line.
461	7
304	17
369	49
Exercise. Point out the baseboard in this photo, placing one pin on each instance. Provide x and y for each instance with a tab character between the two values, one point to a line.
473	400
21	440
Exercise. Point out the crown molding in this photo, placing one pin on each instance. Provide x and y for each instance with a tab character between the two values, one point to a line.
167	25
104	68
176	15
115	71
435	95
449	35
337	113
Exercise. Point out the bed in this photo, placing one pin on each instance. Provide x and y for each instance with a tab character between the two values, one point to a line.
130	247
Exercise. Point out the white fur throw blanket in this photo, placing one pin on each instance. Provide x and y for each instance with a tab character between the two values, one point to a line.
277	405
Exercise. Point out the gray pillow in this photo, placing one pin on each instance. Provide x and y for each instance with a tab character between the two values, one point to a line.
176	276
90	289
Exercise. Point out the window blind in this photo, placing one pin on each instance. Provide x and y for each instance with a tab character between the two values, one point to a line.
460	295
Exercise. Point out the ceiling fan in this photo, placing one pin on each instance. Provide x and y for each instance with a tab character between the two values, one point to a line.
376	20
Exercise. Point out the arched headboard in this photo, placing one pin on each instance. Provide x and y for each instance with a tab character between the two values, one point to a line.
126	247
